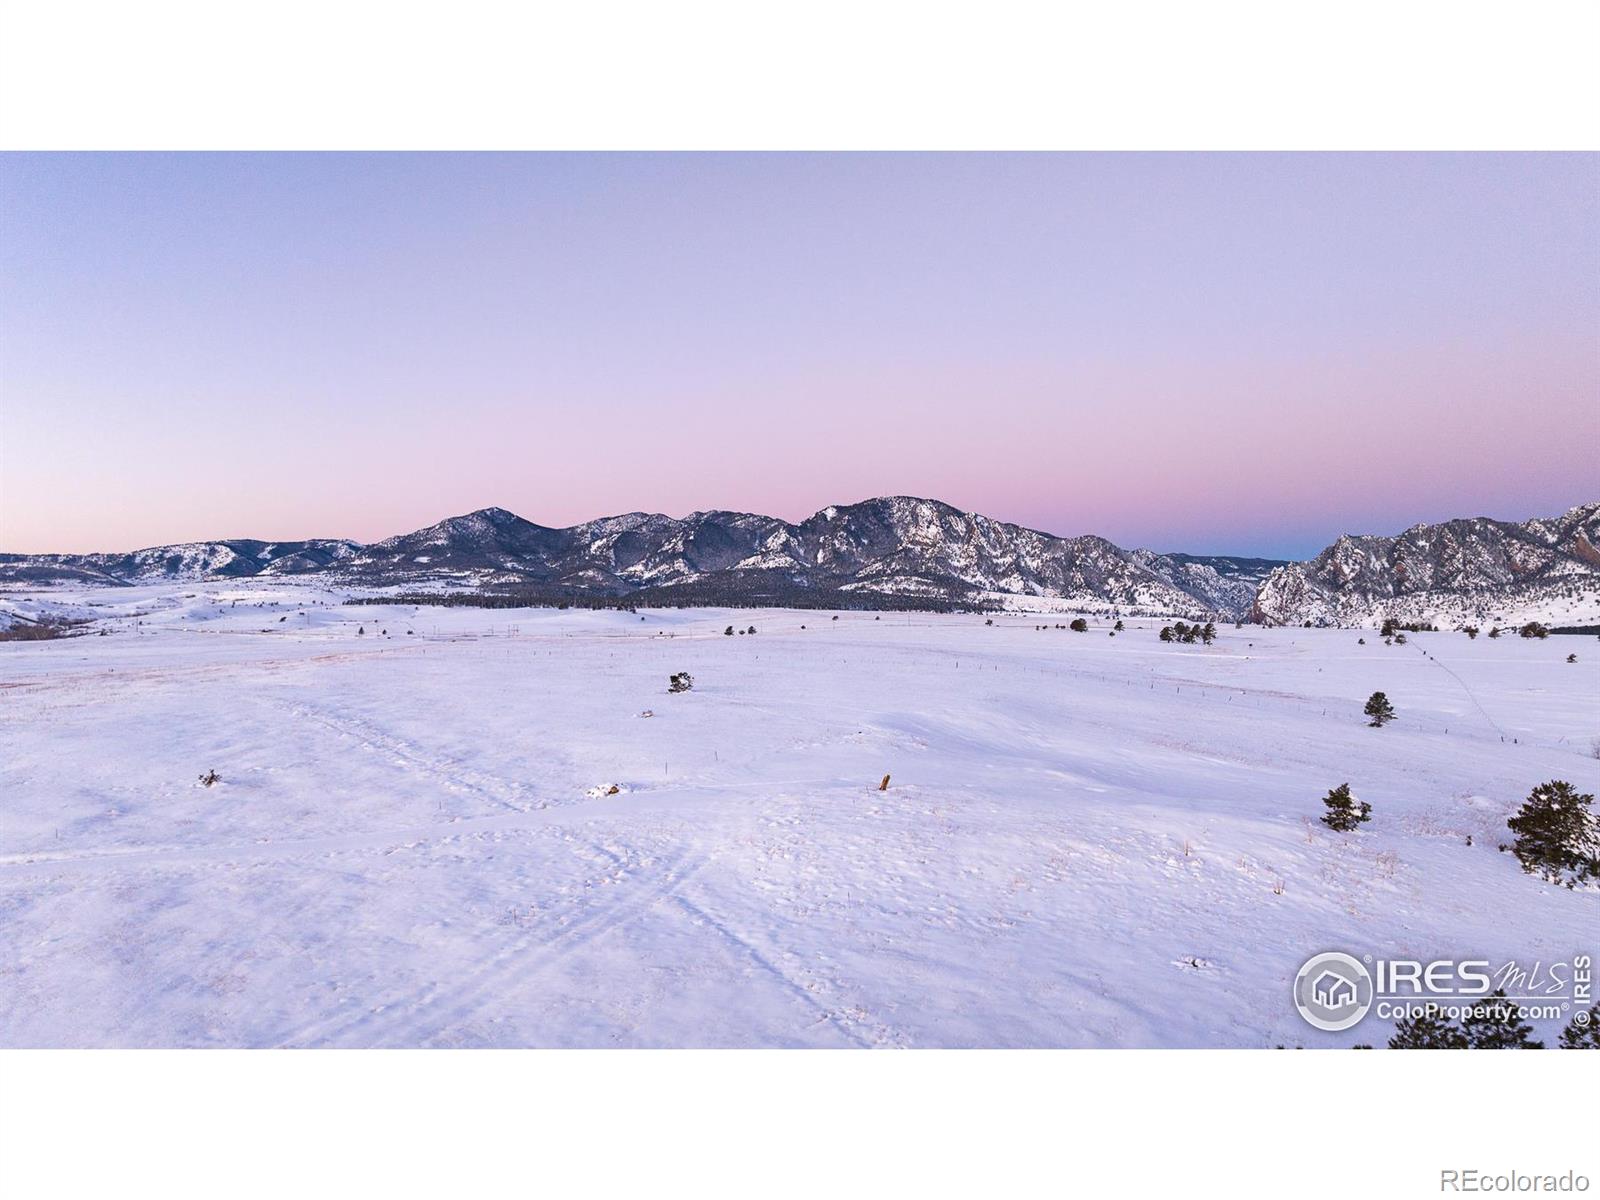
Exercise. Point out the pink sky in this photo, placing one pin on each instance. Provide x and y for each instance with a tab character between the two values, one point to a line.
1207	353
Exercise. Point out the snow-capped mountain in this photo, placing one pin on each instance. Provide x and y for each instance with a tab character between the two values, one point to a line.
187	561
909	547
897	545
1472	569
1225	583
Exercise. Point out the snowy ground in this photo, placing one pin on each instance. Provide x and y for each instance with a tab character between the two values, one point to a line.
1086	841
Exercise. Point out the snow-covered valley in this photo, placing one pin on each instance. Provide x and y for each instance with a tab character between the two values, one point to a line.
466	827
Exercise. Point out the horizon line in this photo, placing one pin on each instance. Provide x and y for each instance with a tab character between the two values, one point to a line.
767	516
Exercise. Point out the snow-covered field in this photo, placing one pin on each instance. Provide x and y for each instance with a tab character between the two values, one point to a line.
1086	840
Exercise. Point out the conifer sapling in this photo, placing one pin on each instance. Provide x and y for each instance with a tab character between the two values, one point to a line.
1345	812
1379	709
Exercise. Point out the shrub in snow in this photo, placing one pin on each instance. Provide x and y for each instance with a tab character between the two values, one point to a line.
728	632
1118	627
752	629
1379	709
1556	834
1492	1023
682	681
1583	1031
1427	1033
1345	812
1079	625
1572	658
209	778
1494	632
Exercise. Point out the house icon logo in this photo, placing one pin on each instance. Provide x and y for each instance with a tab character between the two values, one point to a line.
1333	991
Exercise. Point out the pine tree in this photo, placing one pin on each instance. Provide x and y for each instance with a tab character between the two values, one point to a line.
1166	633
1556	833
1118	626
1426	1033
1379	709
1584	1035
1079	625
1345	812
1209	633
728	632
1493	1023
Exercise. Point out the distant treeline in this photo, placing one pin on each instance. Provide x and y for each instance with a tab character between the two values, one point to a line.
753	593
1586	629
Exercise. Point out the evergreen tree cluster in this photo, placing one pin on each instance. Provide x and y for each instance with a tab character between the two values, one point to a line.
1392	626
1557	835
1583	1031
1491	1023
1181	631
744	589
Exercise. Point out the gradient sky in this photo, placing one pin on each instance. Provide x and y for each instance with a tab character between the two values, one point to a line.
1214	353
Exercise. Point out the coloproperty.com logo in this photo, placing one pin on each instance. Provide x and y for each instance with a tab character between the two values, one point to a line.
1335	991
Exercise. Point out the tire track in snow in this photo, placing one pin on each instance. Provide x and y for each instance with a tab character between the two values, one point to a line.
252	853
451	773
441	1006
805	988
802	985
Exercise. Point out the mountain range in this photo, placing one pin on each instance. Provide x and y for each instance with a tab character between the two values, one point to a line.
921	551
